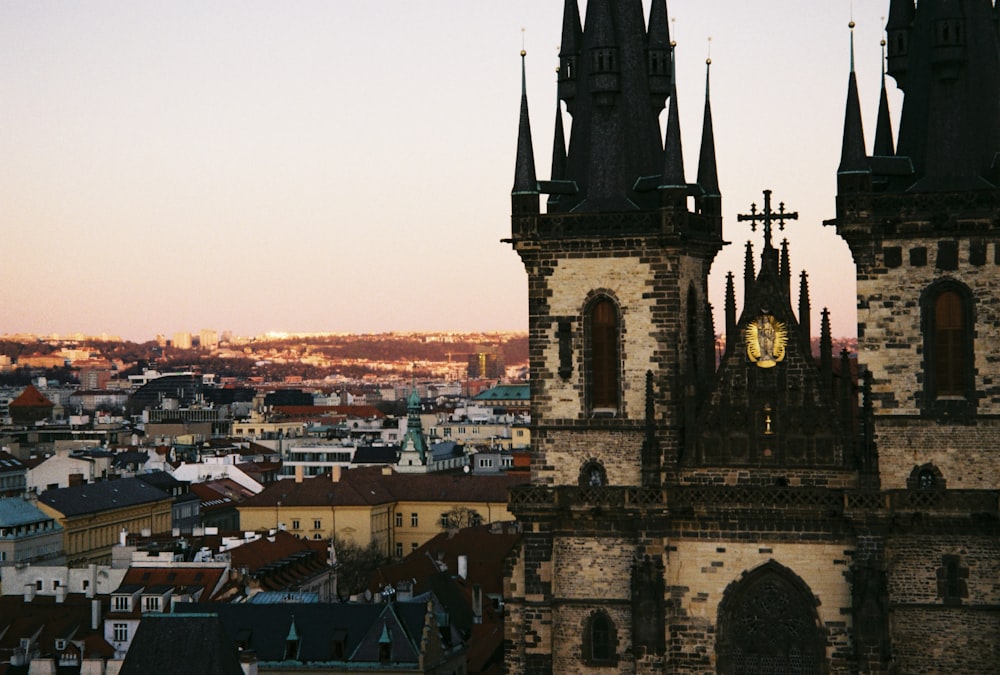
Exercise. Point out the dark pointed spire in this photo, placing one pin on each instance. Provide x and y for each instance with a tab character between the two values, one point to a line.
804	310
708	174
559	146
710	342
826	350
785	268
650	445
658	54
525	181
569	52
730	312
884	146
852	156
898	29
658	32
949	128
749	275
673	154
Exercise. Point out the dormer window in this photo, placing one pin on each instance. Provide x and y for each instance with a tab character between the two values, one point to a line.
151	603
121	603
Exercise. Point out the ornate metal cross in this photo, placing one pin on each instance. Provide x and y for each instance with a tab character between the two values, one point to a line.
767	216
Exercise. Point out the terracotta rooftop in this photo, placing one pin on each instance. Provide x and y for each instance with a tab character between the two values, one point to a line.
31	398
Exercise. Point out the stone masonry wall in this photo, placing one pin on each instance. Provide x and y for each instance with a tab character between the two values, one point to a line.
698	573
565	452
891	346
968	455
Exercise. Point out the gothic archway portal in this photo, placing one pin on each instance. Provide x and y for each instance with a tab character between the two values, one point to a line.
768	625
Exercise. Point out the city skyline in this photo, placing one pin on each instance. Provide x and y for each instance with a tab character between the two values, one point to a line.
346	168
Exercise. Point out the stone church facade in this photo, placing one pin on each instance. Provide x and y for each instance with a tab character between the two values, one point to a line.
766	510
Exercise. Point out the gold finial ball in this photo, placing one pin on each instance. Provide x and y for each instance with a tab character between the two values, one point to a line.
851	24
673	43
882	42
524	53
708	61
557	69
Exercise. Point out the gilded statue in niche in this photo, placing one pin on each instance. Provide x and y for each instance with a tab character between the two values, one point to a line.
766	338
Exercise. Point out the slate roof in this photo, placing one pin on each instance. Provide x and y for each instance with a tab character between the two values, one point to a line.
50	620
124	459
15	511
96	497
376	454
506	392
357	627
9	463
369	486
193	643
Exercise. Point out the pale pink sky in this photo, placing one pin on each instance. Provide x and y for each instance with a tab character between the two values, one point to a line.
346	166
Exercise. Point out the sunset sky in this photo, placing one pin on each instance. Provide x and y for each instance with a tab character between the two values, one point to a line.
346	166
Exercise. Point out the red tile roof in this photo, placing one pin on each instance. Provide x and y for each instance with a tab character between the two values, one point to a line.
31	398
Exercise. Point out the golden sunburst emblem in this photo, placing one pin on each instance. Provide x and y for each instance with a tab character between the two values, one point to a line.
766	338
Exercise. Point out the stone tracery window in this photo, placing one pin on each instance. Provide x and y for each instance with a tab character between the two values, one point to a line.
768	624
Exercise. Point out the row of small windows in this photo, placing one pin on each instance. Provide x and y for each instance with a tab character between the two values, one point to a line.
414	519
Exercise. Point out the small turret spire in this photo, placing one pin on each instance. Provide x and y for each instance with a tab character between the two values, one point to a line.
559	145
804	309
731	336
826	350
785	267
749	274
525	192
852	157
673	155
884	146
708	174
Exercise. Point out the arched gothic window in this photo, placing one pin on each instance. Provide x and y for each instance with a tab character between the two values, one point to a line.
600	640
593	475
603	333
768	624
949	368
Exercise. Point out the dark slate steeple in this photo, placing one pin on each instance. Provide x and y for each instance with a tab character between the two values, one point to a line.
946	59
673	153
558	155
569	53
606	82
708	173
853	158
524	196
884	146
659	55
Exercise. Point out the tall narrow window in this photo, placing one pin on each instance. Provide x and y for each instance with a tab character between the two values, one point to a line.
947	311
949	357
600	640
605	367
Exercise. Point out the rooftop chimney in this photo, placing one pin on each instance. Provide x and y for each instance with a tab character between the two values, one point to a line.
335	474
